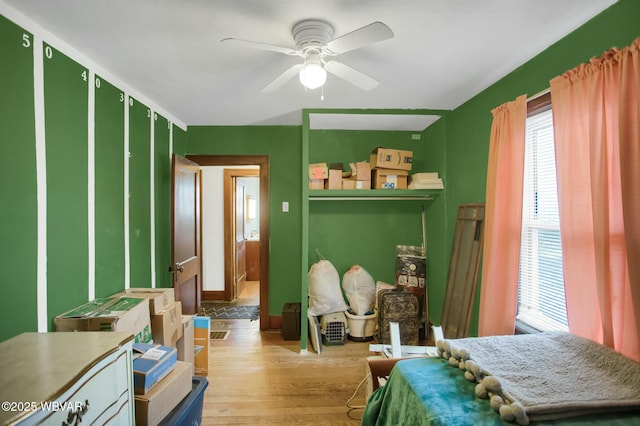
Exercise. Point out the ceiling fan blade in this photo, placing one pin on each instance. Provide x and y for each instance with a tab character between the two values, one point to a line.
369	34
351	75
258	45
280	80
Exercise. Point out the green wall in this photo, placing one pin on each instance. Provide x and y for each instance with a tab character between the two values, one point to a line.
470	124
162	200
66	117
109	181
435	139
282	145
67	182
18	205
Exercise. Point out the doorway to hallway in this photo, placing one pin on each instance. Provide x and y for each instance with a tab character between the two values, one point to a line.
262	162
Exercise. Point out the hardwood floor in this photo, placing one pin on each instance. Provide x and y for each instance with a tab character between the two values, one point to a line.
258	378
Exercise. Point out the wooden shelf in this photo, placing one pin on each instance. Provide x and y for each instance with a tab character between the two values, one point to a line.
372	194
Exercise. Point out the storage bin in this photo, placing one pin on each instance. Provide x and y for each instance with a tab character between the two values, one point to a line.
189	411
361	327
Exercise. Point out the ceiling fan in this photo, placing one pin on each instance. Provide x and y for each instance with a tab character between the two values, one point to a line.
314	43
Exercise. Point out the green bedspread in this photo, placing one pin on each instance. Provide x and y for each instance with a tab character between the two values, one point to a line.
426	391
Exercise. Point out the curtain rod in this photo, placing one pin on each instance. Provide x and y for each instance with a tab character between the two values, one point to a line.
537	95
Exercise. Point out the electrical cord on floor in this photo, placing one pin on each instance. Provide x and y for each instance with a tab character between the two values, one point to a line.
356	407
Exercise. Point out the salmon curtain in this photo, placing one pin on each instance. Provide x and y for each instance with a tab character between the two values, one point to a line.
596	114
503	220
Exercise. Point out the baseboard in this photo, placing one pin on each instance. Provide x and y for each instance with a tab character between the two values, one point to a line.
275	322
213	295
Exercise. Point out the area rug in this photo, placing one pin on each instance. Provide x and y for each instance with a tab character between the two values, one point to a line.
226	311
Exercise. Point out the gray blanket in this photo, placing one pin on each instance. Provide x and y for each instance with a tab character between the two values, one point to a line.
546	376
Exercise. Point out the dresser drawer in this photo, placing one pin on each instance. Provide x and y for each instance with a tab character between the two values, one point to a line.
98	396
68	378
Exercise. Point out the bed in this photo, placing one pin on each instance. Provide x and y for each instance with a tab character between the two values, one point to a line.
555	378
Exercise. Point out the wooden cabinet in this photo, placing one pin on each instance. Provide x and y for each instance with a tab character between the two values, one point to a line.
67	378
253	260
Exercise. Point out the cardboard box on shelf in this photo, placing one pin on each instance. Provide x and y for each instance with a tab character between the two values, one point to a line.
158	402
348	183
159	298
150	364
385	158
316	183
355	184
318	171
201	335
109	314
360	170
166	326
390	179
185	343
335	179
363	184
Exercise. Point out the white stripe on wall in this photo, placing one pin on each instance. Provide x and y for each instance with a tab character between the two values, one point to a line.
127	249
41	183
152	216
91	186
170	143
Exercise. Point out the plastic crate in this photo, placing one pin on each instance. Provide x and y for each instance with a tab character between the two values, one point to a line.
189	411
334	334
334	329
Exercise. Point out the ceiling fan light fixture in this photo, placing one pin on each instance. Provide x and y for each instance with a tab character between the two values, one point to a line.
312	76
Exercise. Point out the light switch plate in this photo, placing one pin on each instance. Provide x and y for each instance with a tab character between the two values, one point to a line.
285	206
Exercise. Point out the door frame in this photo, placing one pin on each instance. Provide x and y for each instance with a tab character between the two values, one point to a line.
263	162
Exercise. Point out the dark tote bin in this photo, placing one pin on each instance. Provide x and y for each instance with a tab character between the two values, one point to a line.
291	321
189	411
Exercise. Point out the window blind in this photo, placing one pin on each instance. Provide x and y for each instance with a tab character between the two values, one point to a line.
541	298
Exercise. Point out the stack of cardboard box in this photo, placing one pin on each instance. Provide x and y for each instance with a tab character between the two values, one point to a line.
390	168
387	169
164	356
322	176
172	332
360	176
160	381
318	173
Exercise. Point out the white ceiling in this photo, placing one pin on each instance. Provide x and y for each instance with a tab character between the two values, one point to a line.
443	53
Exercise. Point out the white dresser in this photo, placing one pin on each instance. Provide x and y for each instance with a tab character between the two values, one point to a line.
67	378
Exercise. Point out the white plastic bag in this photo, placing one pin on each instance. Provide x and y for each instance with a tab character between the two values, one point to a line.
360	289
325	296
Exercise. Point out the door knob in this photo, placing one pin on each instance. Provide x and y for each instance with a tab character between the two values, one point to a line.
179	268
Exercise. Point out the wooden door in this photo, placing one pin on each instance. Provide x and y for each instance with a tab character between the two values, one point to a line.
240	272
185	233
235	258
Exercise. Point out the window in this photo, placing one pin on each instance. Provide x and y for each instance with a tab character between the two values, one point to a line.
541	298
